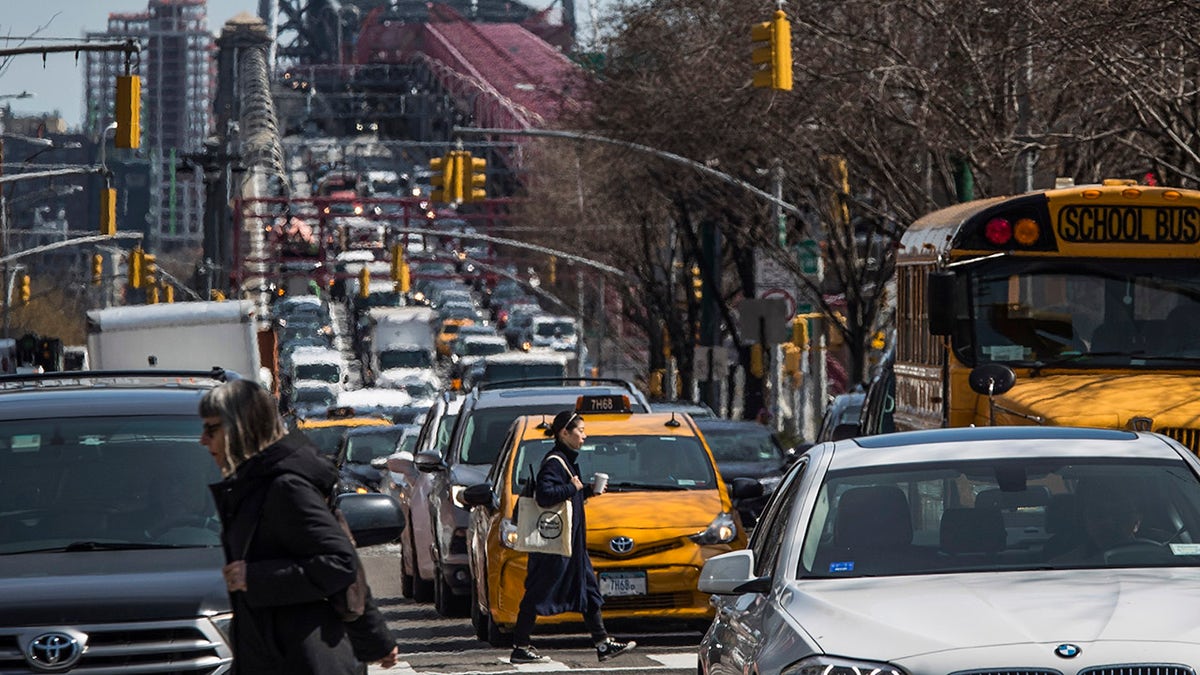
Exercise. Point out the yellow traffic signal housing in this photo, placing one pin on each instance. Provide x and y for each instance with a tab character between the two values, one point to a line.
108	211
149	273
476	182
397	261
756	360
219	296
129	112
97	269
460	177
403	284
773	42
364	282
697	283
443	177
152	295
168	293
26	289
134	265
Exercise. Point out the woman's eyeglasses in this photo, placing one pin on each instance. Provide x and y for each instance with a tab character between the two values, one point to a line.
211	428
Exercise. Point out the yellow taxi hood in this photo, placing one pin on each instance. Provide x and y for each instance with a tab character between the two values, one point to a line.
689	511
1107	400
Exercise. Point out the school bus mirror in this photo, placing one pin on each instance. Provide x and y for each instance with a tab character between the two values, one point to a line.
940	296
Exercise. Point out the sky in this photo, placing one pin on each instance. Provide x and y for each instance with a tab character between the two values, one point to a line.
59	85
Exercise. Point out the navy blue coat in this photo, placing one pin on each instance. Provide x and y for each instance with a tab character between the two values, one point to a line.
555	584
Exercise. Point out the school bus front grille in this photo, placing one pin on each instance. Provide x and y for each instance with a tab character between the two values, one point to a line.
1188	437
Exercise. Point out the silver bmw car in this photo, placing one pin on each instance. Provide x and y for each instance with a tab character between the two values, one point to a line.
996	550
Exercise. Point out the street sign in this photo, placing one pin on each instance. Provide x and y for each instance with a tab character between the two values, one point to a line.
763	321
774	281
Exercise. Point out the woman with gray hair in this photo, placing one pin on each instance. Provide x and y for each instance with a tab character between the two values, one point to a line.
286	551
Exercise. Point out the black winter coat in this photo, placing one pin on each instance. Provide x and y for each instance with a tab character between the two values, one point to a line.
553	583
275	516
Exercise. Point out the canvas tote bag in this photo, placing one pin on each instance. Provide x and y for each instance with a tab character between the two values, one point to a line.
543	529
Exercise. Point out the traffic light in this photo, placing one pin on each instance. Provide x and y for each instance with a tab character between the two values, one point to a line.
108	211
405	282
774	52
152	294
552	275
168	292
97	269
800	331
134	266
697	283
364	282
444	172
128	112
757	366
26	290
149	273
397	260
475	173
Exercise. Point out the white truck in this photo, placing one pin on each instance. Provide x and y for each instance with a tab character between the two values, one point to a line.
400	337
178	336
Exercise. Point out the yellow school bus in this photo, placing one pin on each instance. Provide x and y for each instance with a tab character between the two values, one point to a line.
1077	306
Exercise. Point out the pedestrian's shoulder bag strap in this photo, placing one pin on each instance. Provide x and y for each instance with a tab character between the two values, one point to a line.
561	461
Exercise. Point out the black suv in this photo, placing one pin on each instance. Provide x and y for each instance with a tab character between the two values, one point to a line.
110	550
487	412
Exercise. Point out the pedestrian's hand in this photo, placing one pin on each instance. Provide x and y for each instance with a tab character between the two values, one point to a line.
390	660
576	482
235	575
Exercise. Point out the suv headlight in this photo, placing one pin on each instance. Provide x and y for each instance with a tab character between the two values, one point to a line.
721	530
833	665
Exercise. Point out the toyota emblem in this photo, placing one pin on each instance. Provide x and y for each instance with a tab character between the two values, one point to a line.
55	650
620	544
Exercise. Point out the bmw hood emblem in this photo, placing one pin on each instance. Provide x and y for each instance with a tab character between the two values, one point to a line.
1068	651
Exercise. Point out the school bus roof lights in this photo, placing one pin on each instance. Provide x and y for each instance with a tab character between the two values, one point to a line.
1026	231
998	231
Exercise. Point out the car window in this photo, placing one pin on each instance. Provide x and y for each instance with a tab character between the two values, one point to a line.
743	445
363	449
1000	515
769	531
113	480
444	429
632	462
324	372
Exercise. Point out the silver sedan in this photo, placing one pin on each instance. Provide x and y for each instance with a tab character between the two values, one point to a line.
999	550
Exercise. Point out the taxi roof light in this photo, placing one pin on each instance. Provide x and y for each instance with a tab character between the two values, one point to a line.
607	403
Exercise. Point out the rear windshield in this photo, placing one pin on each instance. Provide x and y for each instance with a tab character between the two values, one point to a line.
633	463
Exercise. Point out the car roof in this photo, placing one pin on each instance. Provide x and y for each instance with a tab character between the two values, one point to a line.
720	424
994	443
534	395
623	424
97	394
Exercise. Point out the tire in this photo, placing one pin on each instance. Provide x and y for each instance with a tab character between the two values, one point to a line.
444	600
408	559
477	620
422	590
495	636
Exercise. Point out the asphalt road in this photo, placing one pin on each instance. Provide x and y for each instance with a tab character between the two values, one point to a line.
433	645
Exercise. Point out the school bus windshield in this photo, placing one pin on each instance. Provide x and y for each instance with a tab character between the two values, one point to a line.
1083	313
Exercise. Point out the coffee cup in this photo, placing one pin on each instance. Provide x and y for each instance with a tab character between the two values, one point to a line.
599	483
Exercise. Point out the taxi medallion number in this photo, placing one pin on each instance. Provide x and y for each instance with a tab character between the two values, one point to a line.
622	583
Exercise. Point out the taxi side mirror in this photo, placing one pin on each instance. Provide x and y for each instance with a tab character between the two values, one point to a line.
480	494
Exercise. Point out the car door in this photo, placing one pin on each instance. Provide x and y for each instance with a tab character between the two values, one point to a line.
734	639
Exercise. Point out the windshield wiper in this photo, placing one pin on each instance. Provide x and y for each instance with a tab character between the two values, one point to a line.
626	485
113	546
1067	358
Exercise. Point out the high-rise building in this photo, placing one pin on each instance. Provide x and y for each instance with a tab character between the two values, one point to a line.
177	70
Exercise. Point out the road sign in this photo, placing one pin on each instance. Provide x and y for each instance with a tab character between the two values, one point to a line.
763	321
774	281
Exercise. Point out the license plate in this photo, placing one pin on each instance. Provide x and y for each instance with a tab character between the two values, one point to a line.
622	583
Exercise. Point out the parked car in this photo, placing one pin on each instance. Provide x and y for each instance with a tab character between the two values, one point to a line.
474	445
1030	549
747	449
110	550
666	511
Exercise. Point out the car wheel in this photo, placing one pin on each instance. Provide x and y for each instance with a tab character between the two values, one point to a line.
477	620
495	636
408	566
422	590
443	597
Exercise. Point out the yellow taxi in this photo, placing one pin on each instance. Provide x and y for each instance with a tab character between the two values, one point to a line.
665	513
325	431
448	334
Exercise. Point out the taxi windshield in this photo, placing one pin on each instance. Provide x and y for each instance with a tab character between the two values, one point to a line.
108	482
631	462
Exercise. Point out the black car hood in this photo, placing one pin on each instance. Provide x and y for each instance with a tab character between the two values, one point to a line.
731	470
111	586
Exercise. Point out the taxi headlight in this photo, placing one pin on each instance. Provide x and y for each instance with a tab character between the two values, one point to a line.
223	623
832	665
508	532
721	530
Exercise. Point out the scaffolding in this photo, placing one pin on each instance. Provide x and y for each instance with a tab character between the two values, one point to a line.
178	71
